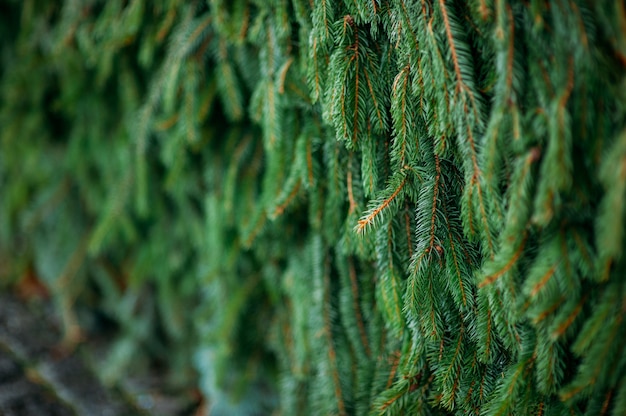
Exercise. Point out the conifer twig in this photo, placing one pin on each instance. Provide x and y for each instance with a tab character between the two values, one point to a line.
332	356
281	208
493	277
351	201
366	221
570	319
544	279
357	309
454	258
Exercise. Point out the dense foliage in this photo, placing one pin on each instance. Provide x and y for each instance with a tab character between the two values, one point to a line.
329	207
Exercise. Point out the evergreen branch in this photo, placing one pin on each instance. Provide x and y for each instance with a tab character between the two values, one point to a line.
470	390
584	38
281	208
454	258
282	74
166	26
511	49
227	85
199	31
432	312
357	309
589	381
595	323
168	123
476	180
270	116
351	201
546	79
461	84
508	396
355	125
493	277
112	213
482	386
544	280
316	76
48	207
620	400
245	23
344	118
355	57
556	169
423	304
470	210
607	401
256	229
394	368
403	121
484	10
407	227
379	115
371	216
309	162
369	156
548	311
407	22
610	223
389	284
74	263
488	343
325	18
558	332
230	188
391	401
540	409
354	97
333	362
454	363
440	61
402	390
433	217
206	101
565	254
569	86
512	384
71	325
401	95
455	59
332	356
334	202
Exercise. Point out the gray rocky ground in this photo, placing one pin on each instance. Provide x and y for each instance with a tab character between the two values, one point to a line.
37	379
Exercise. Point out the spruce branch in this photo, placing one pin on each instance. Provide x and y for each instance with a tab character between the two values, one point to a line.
456	260
354	286
390	284
562	325
332	355
380	206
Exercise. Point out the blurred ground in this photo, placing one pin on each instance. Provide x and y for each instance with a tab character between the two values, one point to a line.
37	378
